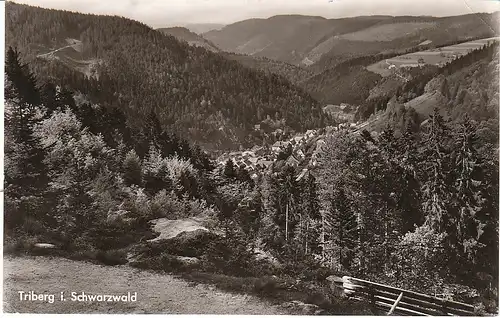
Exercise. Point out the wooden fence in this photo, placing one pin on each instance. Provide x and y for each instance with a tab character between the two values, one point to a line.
400	301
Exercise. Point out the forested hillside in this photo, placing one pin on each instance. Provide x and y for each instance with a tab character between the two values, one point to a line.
201	95
467	85
183	34
293	73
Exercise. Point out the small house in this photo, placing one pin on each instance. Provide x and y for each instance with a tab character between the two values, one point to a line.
292	161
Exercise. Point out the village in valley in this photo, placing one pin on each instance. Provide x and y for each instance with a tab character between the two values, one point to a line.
300	151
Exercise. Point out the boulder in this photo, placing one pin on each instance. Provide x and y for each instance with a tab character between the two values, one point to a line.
44	245
44	249
336	285
175	262
190	244
171	228
261	255
188	261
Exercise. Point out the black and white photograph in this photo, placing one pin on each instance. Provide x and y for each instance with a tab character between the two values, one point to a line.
251	157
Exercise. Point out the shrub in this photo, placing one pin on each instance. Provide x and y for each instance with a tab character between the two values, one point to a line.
17	245
266	285
231	254
320	298
154	263
422	260
172	263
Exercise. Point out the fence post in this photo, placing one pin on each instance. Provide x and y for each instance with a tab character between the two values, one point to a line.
372	296
395	304
443	309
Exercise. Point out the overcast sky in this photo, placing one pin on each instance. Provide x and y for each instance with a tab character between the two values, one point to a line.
158	13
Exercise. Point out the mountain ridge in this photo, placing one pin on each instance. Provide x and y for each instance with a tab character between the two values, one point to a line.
265	37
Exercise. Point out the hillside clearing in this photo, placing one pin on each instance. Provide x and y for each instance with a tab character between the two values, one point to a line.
387	32
156	293
438	56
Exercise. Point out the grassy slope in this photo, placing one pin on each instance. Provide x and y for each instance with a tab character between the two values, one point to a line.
156	293
433	56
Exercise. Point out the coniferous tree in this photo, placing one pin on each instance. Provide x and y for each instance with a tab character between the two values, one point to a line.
23	80
409	195
25	173
155	173
230	170
244	176
467	208
310	218
437	172
341	234
132	169
189	184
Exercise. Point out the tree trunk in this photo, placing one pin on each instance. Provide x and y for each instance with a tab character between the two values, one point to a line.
307	232
286	222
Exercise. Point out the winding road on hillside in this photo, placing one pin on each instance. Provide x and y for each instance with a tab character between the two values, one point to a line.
156	293
45	55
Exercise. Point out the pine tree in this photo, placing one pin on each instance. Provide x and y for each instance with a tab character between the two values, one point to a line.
25	174
23	80
408	196
468	201
244	176
229	170
132	169
438	174
342	235
189	184
310	216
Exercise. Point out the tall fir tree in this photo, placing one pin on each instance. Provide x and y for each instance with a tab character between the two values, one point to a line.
467	212
437	173
25	174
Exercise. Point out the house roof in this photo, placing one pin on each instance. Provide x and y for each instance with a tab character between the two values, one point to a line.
266	163
292	159
302	174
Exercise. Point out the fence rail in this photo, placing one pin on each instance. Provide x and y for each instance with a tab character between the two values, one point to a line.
401	301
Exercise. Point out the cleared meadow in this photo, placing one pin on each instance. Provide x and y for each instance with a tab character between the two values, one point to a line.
437	56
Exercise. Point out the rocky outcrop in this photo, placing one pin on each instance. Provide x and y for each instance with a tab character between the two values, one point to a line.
171	228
